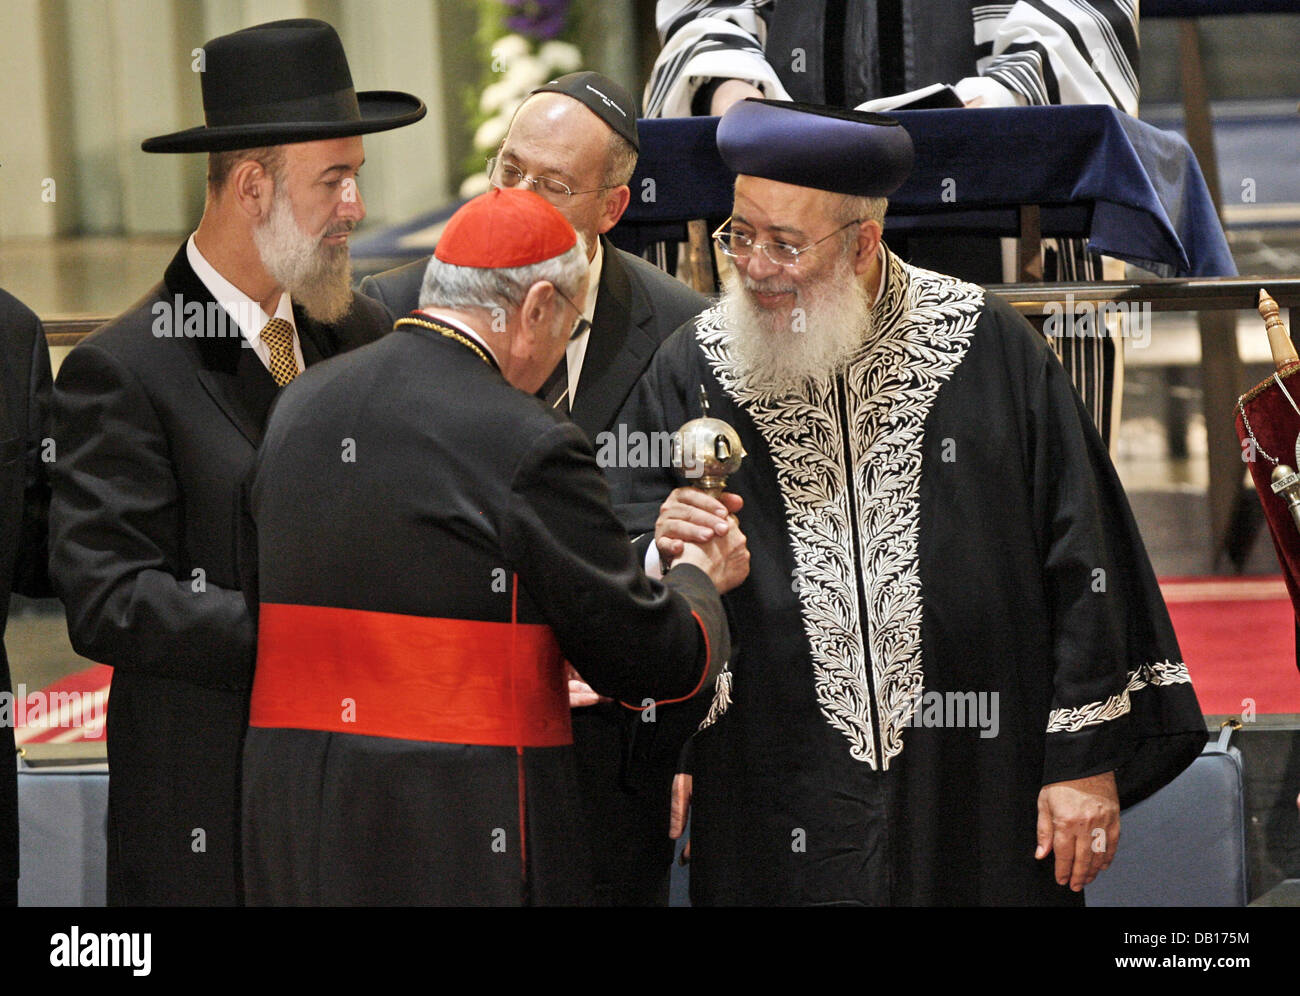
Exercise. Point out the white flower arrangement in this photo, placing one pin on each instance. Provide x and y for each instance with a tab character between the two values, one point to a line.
521	70
473	185
561	56
509	47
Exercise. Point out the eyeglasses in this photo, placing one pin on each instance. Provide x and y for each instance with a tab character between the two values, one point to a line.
503	174
581	325
741	246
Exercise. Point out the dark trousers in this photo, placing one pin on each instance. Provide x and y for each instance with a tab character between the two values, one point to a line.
625	774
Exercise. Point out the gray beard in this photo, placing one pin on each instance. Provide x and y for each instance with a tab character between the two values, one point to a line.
828	324
317	276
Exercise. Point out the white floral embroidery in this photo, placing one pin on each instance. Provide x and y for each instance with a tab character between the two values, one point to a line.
924	324
1071	720
721	697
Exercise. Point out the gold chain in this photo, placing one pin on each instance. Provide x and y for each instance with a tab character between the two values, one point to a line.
450	334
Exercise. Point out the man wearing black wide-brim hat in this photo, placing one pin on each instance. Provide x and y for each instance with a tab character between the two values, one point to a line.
157	416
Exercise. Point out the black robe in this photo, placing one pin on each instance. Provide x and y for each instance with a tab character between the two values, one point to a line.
986	549
427	536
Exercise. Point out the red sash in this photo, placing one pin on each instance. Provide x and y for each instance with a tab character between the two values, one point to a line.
411	677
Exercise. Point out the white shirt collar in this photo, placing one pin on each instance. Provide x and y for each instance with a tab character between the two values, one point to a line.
246	312
593	280
576	352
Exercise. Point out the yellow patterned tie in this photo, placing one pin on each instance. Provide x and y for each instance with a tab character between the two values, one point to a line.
278	335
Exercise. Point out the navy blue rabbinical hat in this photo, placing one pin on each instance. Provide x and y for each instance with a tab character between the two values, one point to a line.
845	152
284	82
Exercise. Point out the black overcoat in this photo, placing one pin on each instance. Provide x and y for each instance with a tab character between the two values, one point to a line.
462	539
156	422
24	412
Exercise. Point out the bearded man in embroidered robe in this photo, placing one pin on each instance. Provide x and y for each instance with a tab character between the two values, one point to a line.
952	663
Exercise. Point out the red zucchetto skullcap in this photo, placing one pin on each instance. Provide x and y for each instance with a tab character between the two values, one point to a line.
505	228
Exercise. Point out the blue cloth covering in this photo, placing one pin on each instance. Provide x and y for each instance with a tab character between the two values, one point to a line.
1211	8
1132	190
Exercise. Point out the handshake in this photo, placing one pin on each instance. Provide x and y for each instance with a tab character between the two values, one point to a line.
693	528
696	528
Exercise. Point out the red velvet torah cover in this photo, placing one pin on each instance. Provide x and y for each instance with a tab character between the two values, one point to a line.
1275	425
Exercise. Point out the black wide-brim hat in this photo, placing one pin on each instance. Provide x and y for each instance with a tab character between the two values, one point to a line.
284	82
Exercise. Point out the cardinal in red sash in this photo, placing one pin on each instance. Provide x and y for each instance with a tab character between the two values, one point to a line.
430	544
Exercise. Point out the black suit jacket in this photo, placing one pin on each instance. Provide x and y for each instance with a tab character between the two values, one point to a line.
638	306
156	421
24	410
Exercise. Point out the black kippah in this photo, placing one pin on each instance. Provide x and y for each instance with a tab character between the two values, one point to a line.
603	97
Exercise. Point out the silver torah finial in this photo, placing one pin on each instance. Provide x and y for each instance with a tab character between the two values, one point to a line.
1286	482
706	450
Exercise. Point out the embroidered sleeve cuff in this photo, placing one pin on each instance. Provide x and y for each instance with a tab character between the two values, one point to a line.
1107	735
1075	718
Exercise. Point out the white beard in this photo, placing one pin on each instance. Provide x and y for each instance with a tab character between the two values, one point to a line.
829	322
317	276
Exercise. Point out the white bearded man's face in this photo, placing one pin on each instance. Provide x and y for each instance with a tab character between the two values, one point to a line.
794	323
317	274
303	243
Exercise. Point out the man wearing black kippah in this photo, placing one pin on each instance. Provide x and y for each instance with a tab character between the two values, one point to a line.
574	141
952	663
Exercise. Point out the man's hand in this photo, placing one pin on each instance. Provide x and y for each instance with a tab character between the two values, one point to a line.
731	92
692	516
725	559
580	693
1079	820
680	809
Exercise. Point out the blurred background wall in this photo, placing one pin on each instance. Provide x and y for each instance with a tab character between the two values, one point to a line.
87	80
87	220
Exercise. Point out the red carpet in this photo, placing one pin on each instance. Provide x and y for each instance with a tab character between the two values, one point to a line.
71	709
1238	639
